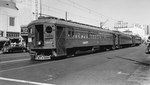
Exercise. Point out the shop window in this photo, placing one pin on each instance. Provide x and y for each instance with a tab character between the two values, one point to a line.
1	33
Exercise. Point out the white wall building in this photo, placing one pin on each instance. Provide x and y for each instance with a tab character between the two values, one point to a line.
135	29
9	19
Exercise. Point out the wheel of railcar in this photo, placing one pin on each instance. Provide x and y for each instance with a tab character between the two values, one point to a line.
53	57
93	49
71	52
10	51
113	47
32	58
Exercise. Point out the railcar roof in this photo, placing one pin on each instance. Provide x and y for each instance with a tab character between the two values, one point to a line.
121	33
67	23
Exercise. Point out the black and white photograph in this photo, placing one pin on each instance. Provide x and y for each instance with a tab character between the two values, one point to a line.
74	42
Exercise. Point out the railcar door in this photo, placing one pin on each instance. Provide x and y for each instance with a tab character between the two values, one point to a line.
60	41
117	41
39	36
133	40
114	41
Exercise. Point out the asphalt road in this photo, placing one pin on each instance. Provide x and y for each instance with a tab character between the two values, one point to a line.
128	66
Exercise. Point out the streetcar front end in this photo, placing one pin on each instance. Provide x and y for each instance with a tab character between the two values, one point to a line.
41	40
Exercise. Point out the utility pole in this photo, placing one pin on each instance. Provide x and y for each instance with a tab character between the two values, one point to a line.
40	7
36	9
66	15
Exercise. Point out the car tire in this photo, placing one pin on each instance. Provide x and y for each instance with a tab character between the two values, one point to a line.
24	51
7	51
10	51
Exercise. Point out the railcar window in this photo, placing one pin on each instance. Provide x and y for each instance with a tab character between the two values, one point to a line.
86	35
30	30
69	33
48	29
82	34
78	35
89	34
72	32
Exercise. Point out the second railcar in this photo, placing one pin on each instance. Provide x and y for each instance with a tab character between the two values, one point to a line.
137	40
125	40
122	40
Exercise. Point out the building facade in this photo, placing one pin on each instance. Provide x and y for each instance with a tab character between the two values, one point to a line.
147	29
9	26
15	15
26	14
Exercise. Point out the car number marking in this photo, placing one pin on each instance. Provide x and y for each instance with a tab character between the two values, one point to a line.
85	42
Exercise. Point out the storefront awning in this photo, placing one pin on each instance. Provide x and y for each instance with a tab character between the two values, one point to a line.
3	39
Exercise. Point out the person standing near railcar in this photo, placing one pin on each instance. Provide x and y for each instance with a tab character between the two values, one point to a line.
148	44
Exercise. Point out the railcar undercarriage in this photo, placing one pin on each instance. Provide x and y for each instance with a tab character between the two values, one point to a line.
42	54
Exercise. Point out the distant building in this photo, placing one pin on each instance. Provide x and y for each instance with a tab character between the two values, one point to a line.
128	32
147	29
9	26
134	29
120	24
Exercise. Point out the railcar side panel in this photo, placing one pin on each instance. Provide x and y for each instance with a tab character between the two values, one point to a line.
125	40
60	41
117	40
77	37
49	36
138	40
106	39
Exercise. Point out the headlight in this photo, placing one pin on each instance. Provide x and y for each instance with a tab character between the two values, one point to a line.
39	43
48	29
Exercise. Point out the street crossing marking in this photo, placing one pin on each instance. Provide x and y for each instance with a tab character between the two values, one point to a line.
14	61
24	81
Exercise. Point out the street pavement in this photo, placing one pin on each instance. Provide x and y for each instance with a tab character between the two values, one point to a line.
128	66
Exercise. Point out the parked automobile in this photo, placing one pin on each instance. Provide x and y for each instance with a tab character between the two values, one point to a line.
15	48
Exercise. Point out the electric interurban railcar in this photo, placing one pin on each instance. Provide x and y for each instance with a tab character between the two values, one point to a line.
50	37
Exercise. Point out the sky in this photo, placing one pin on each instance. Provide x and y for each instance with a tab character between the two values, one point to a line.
95	11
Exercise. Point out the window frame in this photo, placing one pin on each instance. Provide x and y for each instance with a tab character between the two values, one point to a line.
11	21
